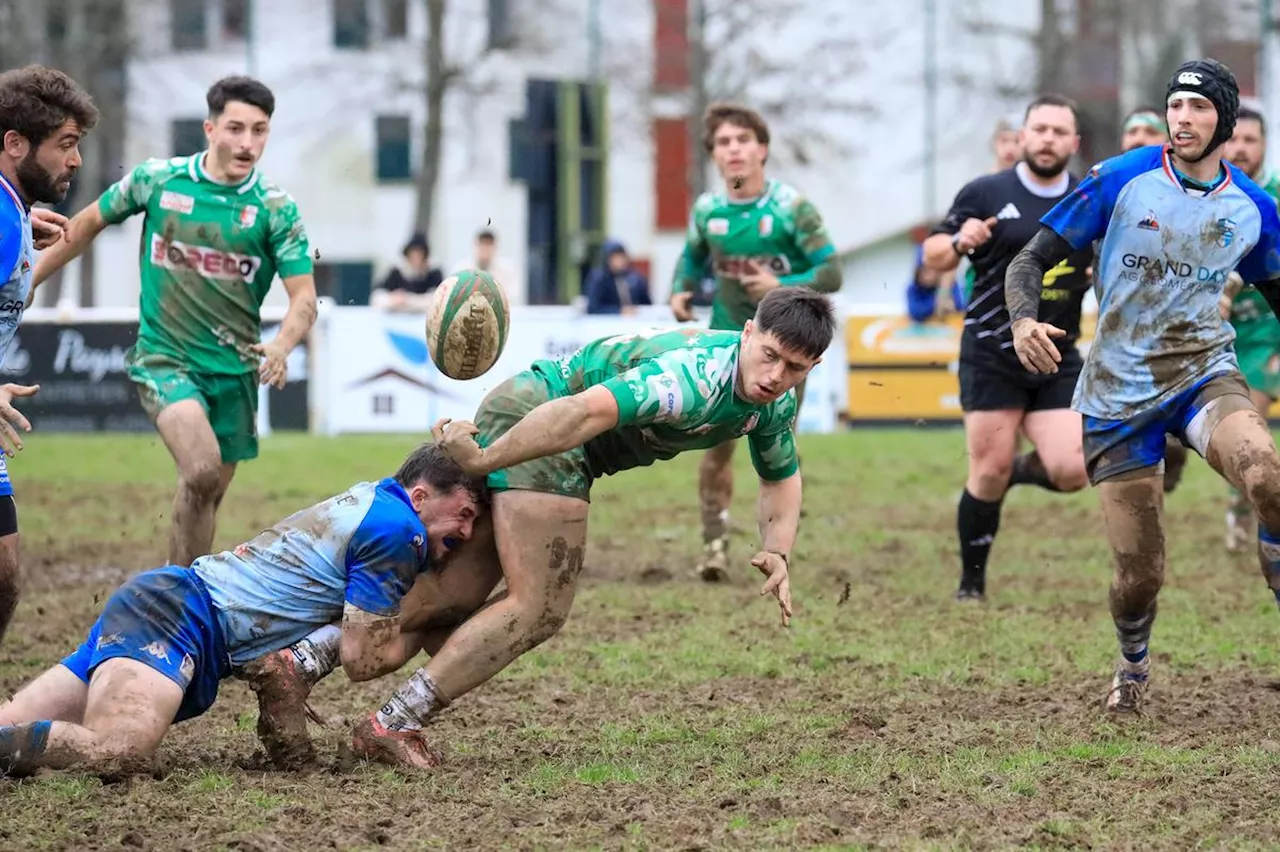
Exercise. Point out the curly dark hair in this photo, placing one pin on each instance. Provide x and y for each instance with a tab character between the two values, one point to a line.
36	101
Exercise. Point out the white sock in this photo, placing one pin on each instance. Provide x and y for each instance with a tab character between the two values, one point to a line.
411	705
319	652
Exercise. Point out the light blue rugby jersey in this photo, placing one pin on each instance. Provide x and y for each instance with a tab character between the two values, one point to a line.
17	263
365	547
1162	264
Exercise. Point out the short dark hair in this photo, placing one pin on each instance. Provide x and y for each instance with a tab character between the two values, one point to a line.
801	319
1051	99
1249	112
429	463
486	236
239	88
35	101
735	114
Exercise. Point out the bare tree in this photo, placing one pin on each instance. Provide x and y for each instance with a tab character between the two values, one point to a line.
791	60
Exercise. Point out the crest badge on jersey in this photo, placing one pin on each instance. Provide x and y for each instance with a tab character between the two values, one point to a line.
1226	231
750	424
766	225
1149	222
248	215
717	227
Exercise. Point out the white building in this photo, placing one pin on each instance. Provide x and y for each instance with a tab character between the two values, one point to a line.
347	97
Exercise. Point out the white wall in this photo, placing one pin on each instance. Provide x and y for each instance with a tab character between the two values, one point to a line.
322	149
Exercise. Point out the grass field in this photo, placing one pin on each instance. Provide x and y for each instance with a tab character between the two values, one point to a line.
668	714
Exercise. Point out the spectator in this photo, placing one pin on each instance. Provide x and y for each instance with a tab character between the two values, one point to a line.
487	259
615	286
409	287
922	291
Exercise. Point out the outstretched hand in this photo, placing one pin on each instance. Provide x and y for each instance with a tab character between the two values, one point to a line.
774	566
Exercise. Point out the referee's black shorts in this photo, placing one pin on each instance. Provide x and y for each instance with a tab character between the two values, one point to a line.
993	379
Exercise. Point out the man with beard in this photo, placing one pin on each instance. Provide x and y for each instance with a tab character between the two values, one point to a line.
1173	221
43	115
991	220
1257	333
215	235
759	234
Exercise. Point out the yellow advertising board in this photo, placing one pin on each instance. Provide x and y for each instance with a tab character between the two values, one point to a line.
904	370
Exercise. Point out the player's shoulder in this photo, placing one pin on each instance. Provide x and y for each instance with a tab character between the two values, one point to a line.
271	195
164	168
1123	168
1247	186
707	203
785	196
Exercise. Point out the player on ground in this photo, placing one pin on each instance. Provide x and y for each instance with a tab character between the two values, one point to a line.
1146	126
1174	221
168	636
759	234
1257	341
549	432
43	116
990	220
215	233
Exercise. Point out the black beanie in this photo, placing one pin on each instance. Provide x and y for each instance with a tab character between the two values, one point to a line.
1213	80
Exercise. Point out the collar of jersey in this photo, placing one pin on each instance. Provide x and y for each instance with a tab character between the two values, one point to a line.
23	209
759	200
195	169
1166	159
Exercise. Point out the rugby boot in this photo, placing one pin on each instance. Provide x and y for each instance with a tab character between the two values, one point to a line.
714	565
372	741
282	691
1127	690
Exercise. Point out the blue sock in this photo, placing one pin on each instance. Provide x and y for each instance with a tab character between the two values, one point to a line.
22	746
1134	635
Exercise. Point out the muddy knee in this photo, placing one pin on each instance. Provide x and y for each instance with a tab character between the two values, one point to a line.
1137	581
203	484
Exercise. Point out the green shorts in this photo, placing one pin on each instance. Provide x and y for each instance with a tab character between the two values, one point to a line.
1260	365
566	474
229	401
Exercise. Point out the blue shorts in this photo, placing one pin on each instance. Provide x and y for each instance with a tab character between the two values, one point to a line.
6	487
165	620
1113	447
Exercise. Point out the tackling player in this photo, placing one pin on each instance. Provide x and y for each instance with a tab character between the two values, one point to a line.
167	637
544	436
215	233
1257	342
990	220
1174	221
759	234
43	116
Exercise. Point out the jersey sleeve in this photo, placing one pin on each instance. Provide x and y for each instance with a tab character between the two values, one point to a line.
11	228
382	562
130	195
773	442
813	241
660	390
692	265
969	203
1082	216
289	244
1262	263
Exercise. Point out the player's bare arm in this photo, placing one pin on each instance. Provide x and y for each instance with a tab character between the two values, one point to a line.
374	645
298	320
80	231
553	427
1032	339
942	252
778	514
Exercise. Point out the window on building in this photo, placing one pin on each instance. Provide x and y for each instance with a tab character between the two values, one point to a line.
351	24
186	136
236	20
346	282
394	136
188	24
395	18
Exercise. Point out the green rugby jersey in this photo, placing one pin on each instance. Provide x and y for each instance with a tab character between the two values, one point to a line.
675	392
208	256
780	231
1251	316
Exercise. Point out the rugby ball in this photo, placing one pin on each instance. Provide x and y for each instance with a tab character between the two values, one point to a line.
468	324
